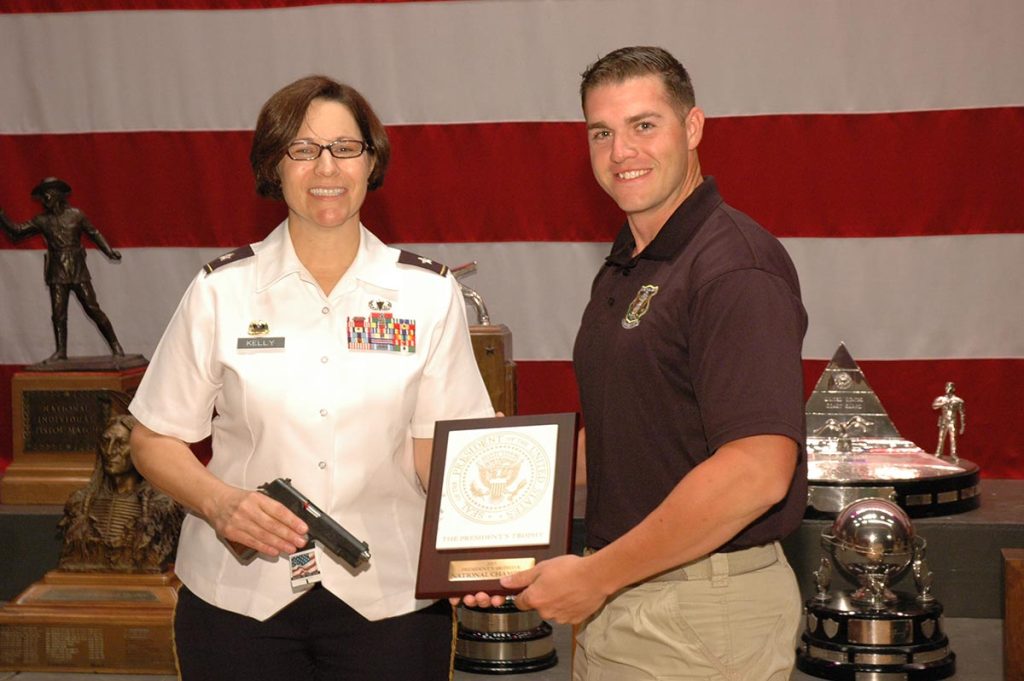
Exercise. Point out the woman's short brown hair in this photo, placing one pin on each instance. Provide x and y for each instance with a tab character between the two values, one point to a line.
282	116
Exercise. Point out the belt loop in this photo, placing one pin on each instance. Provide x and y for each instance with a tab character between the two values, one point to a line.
719	570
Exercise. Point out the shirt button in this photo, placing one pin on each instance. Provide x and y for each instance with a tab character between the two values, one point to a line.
323	412
326	310
322	465
323	360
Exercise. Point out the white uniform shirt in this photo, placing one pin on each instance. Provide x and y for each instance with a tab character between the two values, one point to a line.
337	420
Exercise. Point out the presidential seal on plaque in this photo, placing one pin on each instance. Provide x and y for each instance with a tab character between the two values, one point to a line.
500	501
874	631
854	450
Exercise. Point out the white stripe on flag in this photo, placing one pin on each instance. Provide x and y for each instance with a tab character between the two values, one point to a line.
905	298
515	60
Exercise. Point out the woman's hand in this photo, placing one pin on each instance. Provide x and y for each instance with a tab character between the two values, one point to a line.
254	520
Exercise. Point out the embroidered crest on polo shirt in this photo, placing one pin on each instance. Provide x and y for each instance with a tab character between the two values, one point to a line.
639	306
381	331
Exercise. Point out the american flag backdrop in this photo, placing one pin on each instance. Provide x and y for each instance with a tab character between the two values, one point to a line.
882	141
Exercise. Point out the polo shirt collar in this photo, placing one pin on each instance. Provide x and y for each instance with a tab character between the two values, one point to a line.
676	232
276	259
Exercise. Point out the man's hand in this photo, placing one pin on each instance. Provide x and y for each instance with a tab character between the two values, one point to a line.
479	600
562	589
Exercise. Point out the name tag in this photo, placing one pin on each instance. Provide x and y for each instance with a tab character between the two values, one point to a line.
262	343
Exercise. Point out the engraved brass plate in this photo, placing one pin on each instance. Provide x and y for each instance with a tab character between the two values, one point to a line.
89	595
881	632
918	499
499	622
63	420
880	658
946	497
505	651
494	568
931	655
826	654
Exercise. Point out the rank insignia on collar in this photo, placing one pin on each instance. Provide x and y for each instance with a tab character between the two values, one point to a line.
258	328
231	256
410	258
380	305
639	306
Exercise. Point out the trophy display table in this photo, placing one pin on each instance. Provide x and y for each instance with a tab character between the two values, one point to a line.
58	416
91	622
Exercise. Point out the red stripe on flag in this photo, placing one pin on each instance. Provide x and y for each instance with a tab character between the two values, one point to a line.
47	6
906	389
931	173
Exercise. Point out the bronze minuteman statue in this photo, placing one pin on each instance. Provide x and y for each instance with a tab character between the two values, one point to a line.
62	226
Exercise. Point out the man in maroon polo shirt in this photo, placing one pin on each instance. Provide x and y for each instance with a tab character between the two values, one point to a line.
688	362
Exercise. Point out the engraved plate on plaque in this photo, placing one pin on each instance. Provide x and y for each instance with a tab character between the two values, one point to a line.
70	645
881	658
931	655
826	654
85	595
888	632
63	420
472	570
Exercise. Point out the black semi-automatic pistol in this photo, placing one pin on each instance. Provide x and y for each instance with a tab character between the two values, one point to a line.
322	527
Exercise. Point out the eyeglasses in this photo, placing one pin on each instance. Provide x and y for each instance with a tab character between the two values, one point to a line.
306	150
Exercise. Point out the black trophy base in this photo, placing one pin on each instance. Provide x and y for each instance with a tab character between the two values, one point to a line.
503	640
919	497
845	641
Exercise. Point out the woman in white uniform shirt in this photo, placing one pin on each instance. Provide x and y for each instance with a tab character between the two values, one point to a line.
323	356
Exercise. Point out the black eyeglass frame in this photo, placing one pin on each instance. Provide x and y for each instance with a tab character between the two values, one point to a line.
363	148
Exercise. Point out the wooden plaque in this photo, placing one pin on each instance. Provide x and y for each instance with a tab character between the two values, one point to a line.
500	500
57	420
492	348
91	622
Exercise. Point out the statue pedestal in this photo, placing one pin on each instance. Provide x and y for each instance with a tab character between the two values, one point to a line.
91	622
492	347
57	419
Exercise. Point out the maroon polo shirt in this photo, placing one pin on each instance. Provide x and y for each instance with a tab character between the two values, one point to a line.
667	375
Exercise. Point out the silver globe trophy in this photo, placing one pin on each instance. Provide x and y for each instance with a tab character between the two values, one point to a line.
874	632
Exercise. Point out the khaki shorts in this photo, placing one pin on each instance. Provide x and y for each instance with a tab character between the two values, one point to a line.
728	617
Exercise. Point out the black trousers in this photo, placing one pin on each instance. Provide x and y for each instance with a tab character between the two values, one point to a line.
316	638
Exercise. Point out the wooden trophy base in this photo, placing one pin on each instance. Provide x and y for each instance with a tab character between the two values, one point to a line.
58	417
492	347
91	622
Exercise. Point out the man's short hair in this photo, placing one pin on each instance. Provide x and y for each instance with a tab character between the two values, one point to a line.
633	62
282	116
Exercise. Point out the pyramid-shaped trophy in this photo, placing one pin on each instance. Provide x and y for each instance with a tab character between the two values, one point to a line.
855	452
